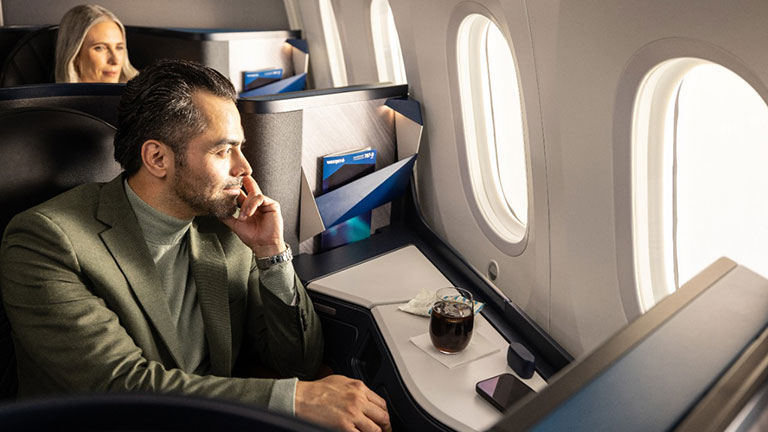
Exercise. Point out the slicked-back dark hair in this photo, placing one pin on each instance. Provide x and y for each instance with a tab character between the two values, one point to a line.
158	104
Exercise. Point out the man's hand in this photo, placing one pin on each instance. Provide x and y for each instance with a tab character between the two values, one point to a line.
260	223
341	403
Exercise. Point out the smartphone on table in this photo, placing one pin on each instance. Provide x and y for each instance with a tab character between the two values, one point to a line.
502	391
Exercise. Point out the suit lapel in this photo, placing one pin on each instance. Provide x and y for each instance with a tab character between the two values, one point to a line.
210	272
125	242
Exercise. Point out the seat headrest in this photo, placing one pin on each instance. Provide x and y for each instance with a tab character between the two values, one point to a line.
46	151
32	60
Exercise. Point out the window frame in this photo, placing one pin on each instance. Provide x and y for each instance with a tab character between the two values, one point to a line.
493	213
654	127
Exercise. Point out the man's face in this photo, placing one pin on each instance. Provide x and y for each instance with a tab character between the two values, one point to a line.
208	181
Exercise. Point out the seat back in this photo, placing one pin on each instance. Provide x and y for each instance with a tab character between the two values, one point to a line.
97	99
10	36
43	152
33	59
146	412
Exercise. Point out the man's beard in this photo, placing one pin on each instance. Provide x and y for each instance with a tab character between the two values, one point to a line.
193	193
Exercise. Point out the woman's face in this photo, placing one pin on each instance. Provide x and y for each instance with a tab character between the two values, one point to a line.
102	55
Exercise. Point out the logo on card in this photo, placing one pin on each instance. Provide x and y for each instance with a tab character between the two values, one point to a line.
368	155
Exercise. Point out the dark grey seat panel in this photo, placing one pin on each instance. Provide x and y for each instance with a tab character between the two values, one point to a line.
32	60
97	99
43	152
10	36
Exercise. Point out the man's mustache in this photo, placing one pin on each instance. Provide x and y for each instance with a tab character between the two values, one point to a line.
238	184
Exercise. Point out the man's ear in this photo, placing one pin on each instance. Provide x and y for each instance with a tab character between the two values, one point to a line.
157	158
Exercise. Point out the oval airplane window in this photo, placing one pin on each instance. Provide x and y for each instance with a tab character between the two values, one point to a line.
699	175
386	43
333	44
493	126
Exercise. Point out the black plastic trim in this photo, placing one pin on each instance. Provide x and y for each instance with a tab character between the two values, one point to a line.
211	34
294	101
34	91
405	413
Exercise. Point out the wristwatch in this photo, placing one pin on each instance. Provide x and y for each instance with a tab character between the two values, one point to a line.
267	262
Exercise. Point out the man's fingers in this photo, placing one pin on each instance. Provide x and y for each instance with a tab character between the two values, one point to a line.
364	424
343	403
252	201
250	205
251	186
376	399
378	414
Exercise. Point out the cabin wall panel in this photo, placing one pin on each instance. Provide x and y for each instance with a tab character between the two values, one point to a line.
233	14
427	27
582	51
585	306
319	67
354	24
401	11
354	20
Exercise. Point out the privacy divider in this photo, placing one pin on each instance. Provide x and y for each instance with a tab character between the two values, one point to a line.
287	134
231	52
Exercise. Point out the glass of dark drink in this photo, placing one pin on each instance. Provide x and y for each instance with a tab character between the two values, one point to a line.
452	320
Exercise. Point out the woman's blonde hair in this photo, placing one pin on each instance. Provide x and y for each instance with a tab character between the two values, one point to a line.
73	28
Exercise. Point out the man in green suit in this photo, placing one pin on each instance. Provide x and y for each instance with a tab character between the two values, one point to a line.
151	283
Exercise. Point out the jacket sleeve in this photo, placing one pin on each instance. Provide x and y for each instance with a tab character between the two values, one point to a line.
67	339
285	336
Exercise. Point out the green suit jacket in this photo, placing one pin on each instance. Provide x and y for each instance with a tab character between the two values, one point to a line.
83	298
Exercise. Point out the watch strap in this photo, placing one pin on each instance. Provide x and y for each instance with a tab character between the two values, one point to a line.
267	262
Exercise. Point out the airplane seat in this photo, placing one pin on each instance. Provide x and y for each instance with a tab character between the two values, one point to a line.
8	381
97	99
32	60
10	36
43	152
144	412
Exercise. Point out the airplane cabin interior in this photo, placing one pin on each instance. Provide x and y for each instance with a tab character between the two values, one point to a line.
591	172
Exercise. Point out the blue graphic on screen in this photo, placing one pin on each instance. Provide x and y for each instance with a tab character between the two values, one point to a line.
339	170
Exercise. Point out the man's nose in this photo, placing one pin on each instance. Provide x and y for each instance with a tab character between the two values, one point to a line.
241	167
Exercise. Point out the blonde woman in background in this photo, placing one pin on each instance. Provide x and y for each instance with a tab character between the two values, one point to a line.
91	47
